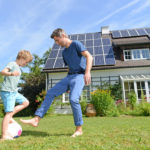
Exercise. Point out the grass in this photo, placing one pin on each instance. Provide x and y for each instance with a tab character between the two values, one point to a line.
100	133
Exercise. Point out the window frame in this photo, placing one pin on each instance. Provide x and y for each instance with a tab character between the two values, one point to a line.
133	52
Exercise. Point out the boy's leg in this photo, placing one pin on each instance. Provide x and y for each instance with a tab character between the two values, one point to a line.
76	86
8	99
21	106
23	103
55	91
5	123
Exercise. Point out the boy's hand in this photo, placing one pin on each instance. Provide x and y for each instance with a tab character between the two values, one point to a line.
15	73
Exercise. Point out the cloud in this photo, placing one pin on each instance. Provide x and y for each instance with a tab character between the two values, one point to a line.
133	2
141	8
27	30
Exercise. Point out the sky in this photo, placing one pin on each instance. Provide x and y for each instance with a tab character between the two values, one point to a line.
28	24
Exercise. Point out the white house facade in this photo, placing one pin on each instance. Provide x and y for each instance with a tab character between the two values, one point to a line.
120	56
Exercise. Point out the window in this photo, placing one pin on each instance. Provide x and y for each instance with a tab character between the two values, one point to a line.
140	88
136	54
128	87
127	55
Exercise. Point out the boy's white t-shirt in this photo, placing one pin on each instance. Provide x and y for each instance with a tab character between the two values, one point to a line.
10	83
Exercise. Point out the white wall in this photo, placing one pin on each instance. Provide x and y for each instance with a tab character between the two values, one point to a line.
105	73
118	72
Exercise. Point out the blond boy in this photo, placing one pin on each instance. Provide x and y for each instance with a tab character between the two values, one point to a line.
9	92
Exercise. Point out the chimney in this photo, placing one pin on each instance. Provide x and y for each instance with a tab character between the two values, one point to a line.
105	30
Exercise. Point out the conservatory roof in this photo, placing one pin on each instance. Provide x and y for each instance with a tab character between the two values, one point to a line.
135	77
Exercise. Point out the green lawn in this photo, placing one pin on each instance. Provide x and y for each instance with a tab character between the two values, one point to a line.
100	133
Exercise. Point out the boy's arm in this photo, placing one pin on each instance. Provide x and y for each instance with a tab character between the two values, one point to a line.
89	60
6	72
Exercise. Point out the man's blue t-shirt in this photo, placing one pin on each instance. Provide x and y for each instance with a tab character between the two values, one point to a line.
73	58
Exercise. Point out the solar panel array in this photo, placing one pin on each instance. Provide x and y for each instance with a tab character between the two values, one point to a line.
131	33
100	48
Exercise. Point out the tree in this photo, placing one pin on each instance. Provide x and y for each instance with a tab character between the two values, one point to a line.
1	80
34	81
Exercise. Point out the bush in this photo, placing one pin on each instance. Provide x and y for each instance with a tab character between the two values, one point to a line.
1	110
132	99
39	99
83	104
103	103
116	91
144	109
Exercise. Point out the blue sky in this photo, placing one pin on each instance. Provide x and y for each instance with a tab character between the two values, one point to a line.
27	24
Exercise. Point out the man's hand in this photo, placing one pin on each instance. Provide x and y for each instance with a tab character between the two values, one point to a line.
87	78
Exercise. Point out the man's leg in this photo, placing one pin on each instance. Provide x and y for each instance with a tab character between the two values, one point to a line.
76	86
55	91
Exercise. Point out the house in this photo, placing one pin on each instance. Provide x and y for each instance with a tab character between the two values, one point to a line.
119	56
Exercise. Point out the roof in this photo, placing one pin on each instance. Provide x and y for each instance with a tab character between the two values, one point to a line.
135	77
105	49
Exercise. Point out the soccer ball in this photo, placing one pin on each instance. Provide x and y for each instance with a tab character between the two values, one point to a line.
14	129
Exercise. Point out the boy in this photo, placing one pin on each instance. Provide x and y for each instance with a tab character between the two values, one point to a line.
9	92
79	61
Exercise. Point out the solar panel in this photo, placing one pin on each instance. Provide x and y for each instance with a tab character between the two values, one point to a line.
89	36
97	42
81	37
124	33
55	46
108	50
130	33
99	60
97	35
141	32
53	54
98	50
99	47
60	53
73	37
59	63
116	34
89	43
109	59
90	49
147	30
106	41
49	63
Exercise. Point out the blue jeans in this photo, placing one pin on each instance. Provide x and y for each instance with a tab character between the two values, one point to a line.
75	84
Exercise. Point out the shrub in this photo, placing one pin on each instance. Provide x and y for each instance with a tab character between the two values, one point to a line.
83	104
1	110
132	99
121	106
144	109
103	102
116	91
39	99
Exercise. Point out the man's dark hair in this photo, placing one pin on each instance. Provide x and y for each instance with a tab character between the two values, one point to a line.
58	33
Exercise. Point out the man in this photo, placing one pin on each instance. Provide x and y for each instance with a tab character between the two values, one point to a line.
79	62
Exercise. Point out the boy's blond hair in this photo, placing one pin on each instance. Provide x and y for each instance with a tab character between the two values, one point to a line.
25	55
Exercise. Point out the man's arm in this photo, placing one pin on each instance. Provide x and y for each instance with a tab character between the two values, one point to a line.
89	61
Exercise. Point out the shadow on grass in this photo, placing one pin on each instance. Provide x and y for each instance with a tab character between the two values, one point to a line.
41	134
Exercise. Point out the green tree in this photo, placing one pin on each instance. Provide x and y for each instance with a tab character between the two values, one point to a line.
1	80
33	82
